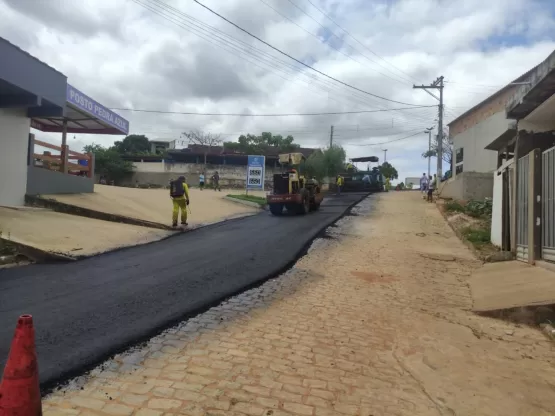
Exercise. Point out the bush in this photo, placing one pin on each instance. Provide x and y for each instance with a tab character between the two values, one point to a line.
477	236
479	209
454	206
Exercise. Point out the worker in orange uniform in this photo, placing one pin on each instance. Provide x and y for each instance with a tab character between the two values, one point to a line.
179	192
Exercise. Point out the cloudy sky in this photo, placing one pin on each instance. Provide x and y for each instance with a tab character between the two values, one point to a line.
174	55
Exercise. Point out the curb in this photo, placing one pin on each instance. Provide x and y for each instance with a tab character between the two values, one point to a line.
90	213
247	203
38	255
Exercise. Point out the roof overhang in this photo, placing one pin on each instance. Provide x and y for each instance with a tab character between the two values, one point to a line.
539	88
365	159
83	114
504	139
26	82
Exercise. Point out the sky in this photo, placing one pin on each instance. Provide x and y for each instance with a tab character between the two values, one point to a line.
174	55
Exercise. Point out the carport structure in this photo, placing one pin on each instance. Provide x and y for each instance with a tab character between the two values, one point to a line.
35	95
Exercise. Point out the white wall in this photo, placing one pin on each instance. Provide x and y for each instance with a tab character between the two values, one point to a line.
14	142
475	139
497	211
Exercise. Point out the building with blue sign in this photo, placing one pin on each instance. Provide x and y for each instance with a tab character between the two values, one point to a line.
35	95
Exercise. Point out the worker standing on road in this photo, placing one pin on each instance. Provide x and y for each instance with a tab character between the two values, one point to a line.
179	192
216	181
339	183
432	183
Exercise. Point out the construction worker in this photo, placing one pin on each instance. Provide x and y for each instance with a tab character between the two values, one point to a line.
179	193
216	181
339	183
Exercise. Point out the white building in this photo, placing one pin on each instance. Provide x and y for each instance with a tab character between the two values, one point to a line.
471	132
523	219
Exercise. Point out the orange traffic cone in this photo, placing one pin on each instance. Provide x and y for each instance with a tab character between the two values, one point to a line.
19	391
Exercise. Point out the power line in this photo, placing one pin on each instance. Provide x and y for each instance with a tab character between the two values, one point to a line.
298	61
175	12
319	39
265	115
386	142
349	56
356	40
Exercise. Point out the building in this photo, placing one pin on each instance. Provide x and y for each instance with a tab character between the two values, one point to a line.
34	95
412	182
523	218
231	165
470	133
159	147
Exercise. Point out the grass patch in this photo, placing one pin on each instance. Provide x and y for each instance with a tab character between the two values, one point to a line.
477	236
454	206
251	198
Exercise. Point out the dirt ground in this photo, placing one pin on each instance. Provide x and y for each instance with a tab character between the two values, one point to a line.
375	320
70	234
155	204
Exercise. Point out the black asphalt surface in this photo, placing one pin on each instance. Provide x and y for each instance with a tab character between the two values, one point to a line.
87	310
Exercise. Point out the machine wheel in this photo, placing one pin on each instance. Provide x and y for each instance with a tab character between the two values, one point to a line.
276	209
304	207
315	206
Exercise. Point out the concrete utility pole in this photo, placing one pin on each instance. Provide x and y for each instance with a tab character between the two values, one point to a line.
331	137
438	85
429	131
385	155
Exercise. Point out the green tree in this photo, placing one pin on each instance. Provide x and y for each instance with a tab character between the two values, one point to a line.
325	163
388	171
133	144
252	144
108	162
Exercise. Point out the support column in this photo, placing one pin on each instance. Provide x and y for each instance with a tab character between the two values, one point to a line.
64	146
514	191
31	150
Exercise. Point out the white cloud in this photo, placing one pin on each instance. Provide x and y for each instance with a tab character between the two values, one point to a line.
124	55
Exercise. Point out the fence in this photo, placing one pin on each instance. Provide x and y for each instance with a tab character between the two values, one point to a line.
548	205
62	162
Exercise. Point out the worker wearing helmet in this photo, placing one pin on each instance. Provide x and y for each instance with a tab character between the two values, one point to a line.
179	193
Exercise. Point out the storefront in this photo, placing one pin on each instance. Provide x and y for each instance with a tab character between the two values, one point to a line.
35	95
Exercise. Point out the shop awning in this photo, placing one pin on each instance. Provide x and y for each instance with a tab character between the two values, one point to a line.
83	115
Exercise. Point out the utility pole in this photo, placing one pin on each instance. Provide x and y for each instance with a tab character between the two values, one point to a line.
438	85
429	131
385	155
331	137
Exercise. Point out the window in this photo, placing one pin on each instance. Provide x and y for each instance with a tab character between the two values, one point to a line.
459	155
459	158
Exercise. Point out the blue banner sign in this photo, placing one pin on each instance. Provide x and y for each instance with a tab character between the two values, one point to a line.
255	172
90	106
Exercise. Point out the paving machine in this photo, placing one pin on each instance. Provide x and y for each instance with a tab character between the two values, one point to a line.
356	180
292	190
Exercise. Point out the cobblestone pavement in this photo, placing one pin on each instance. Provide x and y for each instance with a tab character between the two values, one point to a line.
373	321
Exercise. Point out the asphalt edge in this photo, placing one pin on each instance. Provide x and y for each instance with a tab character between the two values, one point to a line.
49	386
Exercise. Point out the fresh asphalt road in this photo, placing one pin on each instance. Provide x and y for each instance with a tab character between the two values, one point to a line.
85	311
